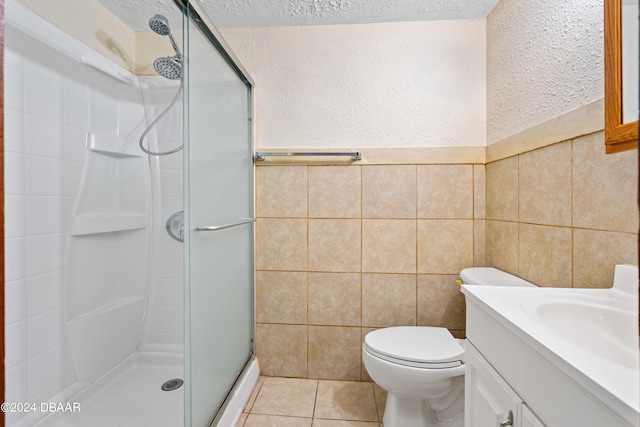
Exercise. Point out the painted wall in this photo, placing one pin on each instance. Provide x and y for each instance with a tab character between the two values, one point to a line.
544	59
89	22
412	84
149	46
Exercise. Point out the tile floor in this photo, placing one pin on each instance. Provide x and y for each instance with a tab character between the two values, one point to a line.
293	402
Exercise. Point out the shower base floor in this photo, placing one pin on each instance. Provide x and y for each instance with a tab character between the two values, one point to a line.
129	396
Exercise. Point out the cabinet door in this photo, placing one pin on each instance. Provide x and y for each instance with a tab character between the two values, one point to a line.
488	398
529	419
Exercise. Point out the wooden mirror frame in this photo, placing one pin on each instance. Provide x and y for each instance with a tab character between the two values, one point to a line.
618	136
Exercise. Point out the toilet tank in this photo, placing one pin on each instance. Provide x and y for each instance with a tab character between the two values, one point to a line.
489	276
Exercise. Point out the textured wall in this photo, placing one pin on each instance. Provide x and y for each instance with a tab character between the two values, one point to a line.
373	85
277	13
544	58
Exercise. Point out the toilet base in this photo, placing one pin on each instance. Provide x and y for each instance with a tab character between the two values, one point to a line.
407	411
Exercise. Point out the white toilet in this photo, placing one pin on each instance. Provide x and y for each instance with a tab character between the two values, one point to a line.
422	367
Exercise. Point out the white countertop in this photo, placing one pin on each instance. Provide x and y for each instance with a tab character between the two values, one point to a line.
605	364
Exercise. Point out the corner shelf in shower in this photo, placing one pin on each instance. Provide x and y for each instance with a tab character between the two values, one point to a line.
113	146
113	153
94	224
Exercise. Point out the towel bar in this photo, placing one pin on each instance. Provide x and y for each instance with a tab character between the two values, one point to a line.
260	155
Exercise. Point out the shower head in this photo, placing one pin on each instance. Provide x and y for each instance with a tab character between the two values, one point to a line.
169	67
160	25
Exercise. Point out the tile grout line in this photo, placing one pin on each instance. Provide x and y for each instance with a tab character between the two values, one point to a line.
416	230
571	190
315	402
518	214
362	334
473	214
307	272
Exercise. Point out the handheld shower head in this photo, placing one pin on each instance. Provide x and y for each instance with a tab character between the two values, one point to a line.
168	67
160	25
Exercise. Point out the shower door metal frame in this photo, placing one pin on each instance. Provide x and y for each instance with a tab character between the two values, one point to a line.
2	233
217	40
200	18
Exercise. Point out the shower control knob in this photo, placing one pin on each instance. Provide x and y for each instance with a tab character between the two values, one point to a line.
175	226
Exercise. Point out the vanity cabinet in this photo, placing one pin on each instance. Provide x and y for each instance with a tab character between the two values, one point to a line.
489	400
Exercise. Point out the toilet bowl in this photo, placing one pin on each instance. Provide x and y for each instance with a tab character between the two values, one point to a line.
422	367
422	370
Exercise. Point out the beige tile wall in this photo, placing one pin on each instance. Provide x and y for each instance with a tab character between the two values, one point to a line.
343	250
563	215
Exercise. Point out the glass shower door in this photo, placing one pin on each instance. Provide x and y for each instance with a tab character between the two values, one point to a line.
219	214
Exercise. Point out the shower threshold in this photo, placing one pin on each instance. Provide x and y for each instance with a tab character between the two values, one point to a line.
129	396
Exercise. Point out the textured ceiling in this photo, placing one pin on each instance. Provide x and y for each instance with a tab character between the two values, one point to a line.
266	13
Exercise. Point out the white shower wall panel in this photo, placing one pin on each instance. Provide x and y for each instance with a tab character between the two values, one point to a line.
165	324
40	172
48	130
38	141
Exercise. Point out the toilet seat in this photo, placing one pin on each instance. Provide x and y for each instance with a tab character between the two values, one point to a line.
417	346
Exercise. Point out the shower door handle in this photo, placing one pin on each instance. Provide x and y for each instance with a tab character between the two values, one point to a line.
223	226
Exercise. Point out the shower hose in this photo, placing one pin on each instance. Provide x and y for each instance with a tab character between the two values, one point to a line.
146	131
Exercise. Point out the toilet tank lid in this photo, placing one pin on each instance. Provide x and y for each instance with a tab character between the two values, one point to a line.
489	276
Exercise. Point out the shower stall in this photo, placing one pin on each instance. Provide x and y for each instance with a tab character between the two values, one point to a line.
105	310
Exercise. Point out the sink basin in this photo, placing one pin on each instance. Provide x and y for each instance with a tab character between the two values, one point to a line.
591	324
